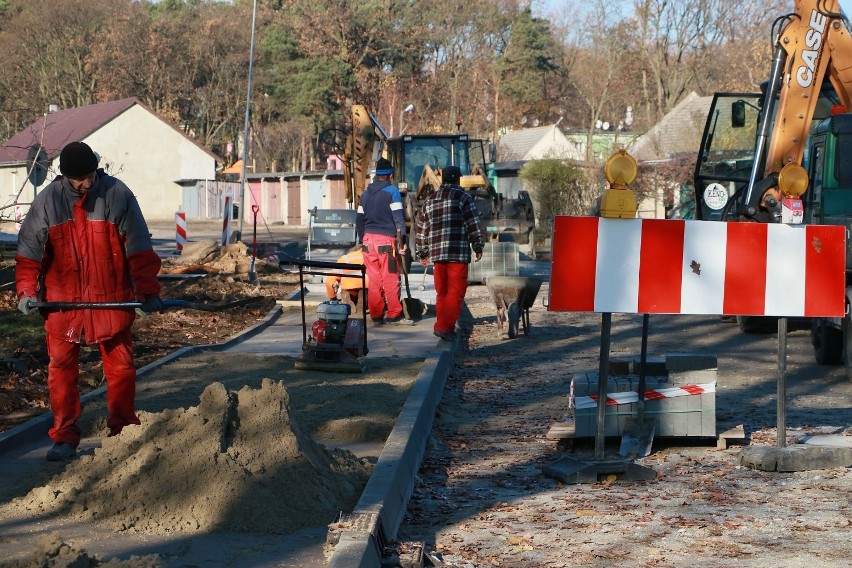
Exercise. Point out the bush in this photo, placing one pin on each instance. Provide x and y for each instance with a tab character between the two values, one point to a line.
558	187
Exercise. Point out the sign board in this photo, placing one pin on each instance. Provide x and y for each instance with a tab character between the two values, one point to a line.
662	266
37	163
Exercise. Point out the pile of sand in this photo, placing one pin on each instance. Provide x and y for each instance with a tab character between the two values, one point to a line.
51	550
236	462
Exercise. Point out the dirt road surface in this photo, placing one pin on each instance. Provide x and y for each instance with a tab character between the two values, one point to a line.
481	499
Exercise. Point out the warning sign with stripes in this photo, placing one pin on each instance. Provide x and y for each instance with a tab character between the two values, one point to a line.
697	267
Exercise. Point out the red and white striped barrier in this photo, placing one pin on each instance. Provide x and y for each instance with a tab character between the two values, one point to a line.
226	221
19	217
180	229
616	398
697	267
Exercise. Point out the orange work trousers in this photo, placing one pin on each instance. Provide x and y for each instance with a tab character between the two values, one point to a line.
63	374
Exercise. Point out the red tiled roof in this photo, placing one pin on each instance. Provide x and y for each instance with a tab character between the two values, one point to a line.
70	125
61	127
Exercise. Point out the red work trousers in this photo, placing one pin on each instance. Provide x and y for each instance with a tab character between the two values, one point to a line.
63	373
450	286
382	280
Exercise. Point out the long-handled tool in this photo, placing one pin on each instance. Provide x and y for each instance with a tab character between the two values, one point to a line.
413	308
422	286
133	305
252	272
639	433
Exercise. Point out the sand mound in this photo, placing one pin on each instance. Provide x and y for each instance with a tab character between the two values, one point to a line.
51	550
236	462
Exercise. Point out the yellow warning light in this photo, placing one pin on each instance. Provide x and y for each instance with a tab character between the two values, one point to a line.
793	180
619	202
620	168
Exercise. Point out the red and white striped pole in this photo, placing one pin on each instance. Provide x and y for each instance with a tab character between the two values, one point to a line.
226	221
180	229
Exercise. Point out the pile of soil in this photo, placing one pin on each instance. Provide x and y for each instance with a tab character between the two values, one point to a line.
229	444
52	550
229	464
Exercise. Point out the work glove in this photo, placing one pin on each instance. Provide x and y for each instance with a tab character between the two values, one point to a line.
153	304
24	305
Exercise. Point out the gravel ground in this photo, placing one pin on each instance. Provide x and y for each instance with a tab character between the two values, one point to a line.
482	500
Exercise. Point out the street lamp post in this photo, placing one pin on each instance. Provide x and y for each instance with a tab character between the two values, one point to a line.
246	128
409	108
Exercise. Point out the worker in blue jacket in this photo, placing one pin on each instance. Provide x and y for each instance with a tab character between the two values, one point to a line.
378	222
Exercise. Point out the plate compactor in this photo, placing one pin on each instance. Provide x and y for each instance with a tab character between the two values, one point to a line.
336	341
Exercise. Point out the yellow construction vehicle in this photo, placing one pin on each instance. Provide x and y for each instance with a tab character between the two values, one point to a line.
418	160
761	152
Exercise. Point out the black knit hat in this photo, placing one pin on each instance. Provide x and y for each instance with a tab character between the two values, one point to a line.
77	160
383	167
451	174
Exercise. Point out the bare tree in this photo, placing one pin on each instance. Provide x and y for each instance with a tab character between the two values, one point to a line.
599	68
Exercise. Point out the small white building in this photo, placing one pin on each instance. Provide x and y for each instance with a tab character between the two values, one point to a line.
534	144
144	150
516	147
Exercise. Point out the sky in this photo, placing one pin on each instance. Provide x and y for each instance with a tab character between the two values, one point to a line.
545	7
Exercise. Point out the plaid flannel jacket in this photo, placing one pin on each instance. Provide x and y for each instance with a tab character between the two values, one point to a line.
448	226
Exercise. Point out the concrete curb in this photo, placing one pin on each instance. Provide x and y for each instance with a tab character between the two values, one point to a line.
36	428
384	500
794	458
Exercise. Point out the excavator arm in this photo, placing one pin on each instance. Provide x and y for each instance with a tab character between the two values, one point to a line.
815	42
364	132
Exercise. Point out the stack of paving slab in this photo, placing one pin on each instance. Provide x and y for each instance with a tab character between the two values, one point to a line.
683	416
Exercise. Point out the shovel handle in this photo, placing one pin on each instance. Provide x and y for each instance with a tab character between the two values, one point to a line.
102	305
133	305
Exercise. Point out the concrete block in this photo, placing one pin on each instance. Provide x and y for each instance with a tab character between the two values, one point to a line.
694	377
685	416
619	367
690	361
794	458
653	366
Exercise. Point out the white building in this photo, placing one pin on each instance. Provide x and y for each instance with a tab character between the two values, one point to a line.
153	157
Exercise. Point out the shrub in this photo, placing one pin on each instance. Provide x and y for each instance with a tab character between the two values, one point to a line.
558	187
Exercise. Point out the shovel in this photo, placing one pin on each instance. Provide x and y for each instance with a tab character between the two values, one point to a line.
422	286
132	305
252	273
638	432
413	308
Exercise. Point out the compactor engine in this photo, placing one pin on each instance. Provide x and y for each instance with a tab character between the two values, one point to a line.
333	332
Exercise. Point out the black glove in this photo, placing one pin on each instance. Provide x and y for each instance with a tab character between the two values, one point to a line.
153	304
24	305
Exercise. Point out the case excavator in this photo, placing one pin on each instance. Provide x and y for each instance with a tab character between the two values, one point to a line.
418	160
785	155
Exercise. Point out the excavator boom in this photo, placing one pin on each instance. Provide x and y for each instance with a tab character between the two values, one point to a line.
814	43
364	132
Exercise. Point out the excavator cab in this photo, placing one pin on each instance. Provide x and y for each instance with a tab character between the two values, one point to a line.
726	154
727	151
